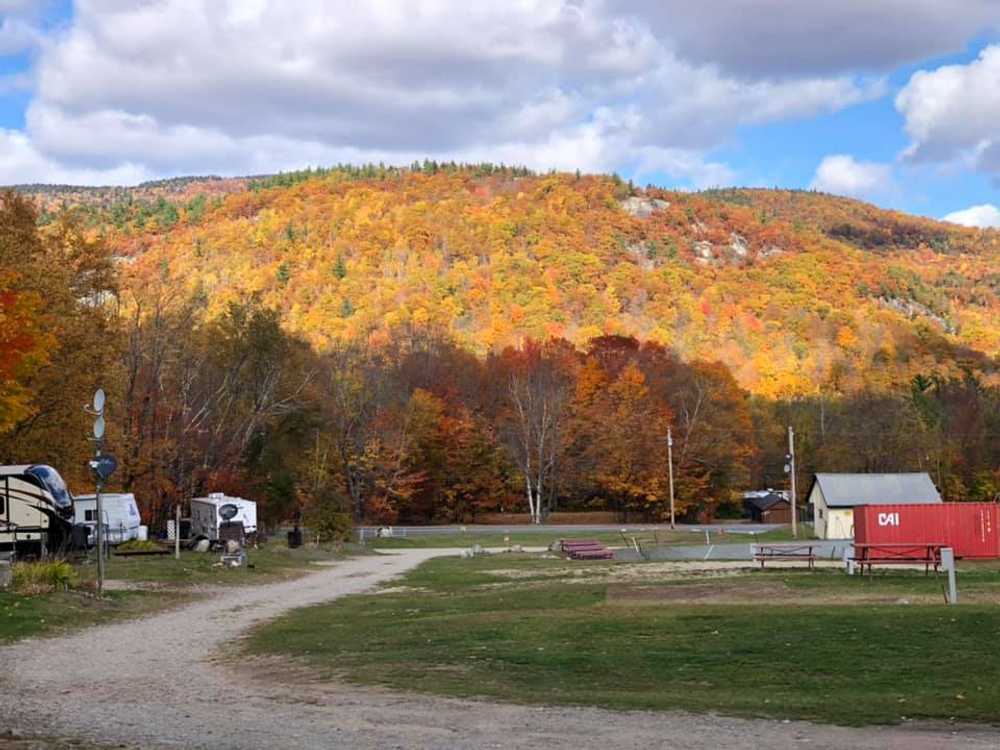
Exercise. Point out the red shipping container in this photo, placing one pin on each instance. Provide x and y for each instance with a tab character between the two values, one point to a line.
971	529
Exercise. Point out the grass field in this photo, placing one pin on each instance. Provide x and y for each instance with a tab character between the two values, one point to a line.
53	614
819	646
271	562
545	538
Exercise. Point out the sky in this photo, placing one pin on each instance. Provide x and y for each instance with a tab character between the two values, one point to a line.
892	101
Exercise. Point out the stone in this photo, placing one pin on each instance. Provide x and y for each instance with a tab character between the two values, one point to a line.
643	208
703	249
738	245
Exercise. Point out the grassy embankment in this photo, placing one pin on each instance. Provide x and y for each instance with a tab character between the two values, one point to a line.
45	614
821	646
543	538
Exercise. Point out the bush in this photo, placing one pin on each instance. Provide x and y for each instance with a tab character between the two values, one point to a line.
326	514
139	545
332	527
43	577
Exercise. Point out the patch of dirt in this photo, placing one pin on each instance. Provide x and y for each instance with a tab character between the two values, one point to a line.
624	572
401	590
745	591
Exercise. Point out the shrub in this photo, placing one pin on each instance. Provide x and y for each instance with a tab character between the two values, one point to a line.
43	577
332	526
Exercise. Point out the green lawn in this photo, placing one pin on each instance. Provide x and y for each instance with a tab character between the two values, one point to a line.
48	614
465	630
53	614
271	562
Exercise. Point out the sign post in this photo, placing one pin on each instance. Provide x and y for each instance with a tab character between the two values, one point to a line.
103	466
99	400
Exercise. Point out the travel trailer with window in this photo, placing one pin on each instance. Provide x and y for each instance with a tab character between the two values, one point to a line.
36	509
208	516
121	516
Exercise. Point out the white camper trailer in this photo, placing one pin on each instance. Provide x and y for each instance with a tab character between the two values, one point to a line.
206	518
36	509
121	516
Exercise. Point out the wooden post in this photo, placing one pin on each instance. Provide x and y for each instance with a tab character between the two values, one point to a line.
177	532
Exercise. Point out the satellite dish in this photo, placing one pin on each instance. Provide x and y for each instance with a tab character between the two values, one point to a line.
228	511
104	466
99	400
99	425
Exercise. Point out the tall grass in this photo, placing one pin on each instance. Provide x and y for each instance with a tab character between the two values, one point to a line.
42	577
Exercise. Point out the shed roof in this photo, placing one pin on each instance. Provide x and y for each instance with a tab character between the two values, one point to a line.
765	502
848	490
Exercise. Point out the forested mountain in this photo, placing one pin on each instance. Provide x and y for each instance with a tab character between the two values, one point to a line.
277	334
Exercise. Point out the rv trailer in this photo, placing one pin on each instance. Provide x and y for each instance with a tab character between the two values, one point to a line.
36	509
121	516
208	517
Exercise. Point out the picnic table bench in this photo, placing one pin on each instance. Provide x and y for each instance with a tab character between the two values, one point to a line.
764	552
897	554
585	549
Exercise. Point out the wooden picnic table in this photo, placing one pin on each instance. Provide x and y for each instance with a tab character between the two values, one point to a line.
586	549
898	554
764	552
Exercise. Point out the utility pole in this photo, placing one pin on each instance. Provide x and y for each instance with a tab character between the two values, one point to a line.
791	472
670	465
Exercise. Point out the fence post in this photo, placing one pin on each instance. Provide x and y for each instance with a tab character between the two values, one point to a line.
948	563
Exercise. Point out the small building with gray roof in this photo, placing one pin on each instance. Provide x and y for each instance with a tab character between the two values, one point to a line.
834	496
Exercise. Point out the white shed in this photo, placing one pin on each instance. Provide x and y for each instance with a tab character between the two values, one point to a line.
833	497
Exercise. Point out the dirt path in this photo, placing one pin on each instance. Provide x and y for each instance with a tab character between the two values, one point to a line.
152	683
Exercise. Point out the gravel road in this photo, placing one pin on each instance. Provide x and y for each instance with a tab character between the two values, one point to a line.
159	683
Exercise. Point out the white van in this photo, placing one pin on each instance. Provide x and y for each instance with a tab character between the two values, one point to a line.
206	517
121	516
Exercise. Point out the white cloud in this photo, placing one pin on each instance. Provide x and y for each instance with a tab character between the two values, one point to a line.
17	35
986	215
232	86
789	38
842	174
953	113
21	163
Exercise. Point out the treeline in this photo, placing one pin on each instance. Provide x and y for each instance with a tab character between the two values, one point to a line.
412	427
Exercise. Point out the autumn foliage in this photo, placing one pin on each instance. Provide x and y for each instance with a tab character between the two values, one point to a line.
433	343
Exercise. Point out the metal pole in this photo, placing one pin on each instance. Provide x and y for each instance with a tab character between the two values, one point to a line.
100	538
670	464
177	532
791	454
